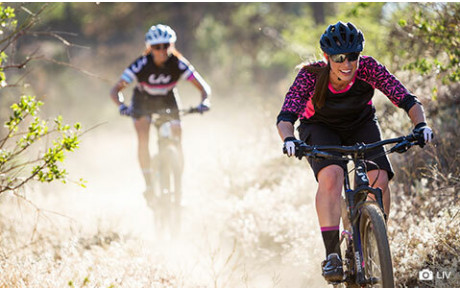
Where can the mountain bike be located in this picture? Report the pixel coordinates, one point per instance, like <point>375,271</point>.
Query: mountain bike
<point>167,168</point>
<point>366,253</point>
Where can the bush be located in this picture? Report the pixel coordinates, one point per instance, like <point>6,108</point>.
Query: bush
<point>26,128</point>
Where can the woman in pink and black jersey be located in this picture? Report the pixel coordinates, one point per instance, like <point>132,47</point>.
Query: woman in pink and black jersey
<point>156,74</point>
<point>332,99</point>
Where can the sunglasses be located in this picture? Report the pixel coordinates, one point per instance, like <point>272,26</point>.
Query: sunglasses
<point>340,58</point>
<point>161,46</point>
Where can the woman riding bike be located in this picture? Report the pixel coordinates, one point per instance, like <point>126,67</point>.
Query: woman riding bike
<point>333,100</point>
<point>157,72</point>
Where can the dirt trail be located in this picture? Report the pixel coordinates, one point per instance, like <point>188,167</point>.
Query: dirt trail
<point>233,188</point>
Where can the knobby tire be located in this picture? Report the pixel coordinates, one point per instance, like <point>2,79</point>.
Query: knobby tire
<point>375,246</point>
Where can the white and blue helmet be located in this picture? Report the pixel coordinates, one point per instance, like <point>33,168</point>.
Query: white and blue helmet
<point>160,34</point>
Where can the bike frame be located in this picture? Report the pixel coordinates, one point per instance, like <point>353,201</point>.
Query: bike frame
<point>354,199</point>
<point>162,123</point>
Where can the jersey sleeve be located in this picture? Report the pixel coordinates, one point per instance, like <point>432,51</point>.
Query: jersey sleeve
<point>380,78</point>
<point>131,73</point>
<point>296,98</point>
<point>186,70</point>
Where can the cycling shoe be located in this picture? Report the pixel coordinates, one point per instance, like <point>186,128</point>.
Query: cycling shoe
<point>332,268</point>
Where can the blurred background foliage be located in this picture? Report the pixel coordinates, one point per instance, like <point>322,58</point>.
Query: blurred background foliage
<point>255,44</point>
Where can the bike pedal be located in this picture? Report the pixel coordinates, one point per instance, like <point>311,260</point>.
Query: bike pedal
<point>372,281</point>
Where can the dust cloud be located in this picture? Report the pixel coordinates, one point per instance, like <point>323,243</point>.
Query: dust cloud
<point>248,220</point>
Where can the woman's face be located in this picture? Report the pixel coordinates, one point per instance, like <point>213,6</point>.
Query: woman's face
<point>344,71</point>
<point>161,52</point>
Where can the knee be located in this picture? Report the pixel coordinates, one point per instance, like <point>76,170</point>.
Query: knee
<point>330,180</point>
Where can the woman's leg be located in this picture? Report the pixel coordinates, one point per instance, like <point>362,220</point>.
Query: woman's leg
<point>382,183</point>
<point>330,181</point>
<point>142,125</point>
<point>176,129</point>
<point>328,207</point>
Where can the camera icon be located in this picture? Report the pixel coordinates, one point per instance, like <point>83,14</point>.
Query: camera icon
<point>425,275</point>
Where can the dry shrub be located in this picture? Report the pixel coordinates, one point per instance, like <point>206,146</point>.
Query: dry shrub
<point>275,225</point>
<point>423,229</point>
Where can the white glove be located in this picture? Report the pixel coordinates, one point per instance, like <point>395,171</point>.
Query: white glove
<point>289,145</point>
<point>427,134</point>
<point>424,131</point>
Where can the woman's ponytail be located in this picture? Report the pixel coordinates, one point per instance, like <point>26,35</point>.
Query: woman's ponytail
<point>322,81</point>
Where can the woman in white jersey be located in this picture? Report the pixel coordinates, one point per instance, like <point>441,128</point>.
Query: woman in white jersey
<point>156,73</point>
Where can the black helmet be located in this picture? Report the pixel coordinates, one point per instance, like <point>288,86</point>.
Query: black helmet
<point>341,38</point>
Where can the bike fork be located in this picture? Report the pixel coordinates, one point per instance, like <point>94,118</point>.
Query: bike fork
<point>356,239</point>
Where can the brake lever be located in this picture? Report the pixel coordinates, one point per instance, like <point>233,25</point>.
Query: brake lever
<point>401,147</point>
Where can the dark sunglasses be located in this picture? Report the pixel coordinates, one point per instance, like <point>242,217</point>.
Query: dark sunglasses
<point>340,58</point>
<point>161,46</point>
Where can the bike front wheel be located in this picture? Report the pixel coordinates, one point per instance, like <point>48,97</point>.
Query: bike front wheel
<point>171,187</point>
<point>378,264</point>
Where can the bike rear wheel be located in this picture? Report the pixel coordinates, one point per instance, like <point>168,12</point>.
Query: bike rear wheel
<point>375,246</point>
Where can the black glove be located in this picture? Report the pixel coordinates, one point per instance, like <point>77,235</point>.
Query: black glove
<point>124,110</point>
<point>423,133</point>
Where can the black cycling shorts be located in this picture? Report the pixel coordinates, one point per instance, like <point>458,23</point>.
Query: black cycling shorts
<point>369,132</point>
<point>144,104</point>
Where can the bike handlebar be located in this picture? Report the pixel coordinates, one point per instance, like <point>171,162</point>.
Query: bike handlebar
<point>403,143</point>
<point>168,112</point>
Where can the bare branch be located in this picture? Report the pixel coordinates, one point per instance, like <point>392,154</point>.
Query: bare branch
<point>55,34</point>
<point>75,68</point>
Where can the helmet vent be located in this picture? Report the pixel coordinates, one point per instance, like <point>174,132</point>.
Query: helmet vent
<point>336,40</point>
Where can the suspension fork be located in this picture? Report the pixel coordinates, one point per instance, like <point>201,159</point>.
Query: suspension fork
<point>355,234</point>
<point>354,199</point>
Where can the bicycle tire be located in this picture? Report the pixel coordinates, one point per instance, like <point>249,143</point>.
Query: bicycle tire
<point>375,246</point>
<point>157,207</point>
<point>171,185</point>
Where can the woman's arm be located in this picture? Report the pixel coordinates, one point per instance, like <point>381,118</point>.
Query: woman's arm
<point>285,129</point>
<point>115,92</point>
<point>417,114</point>
<point>201,84</point>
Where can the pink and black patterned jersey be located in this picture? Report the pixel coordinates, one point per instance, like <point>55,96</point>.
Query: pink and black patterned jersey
<point>155,80</point>
<point>350,107</point>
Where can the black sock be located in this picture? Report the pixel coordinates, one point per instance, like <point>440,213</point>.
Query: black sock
<point>331,240</point>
